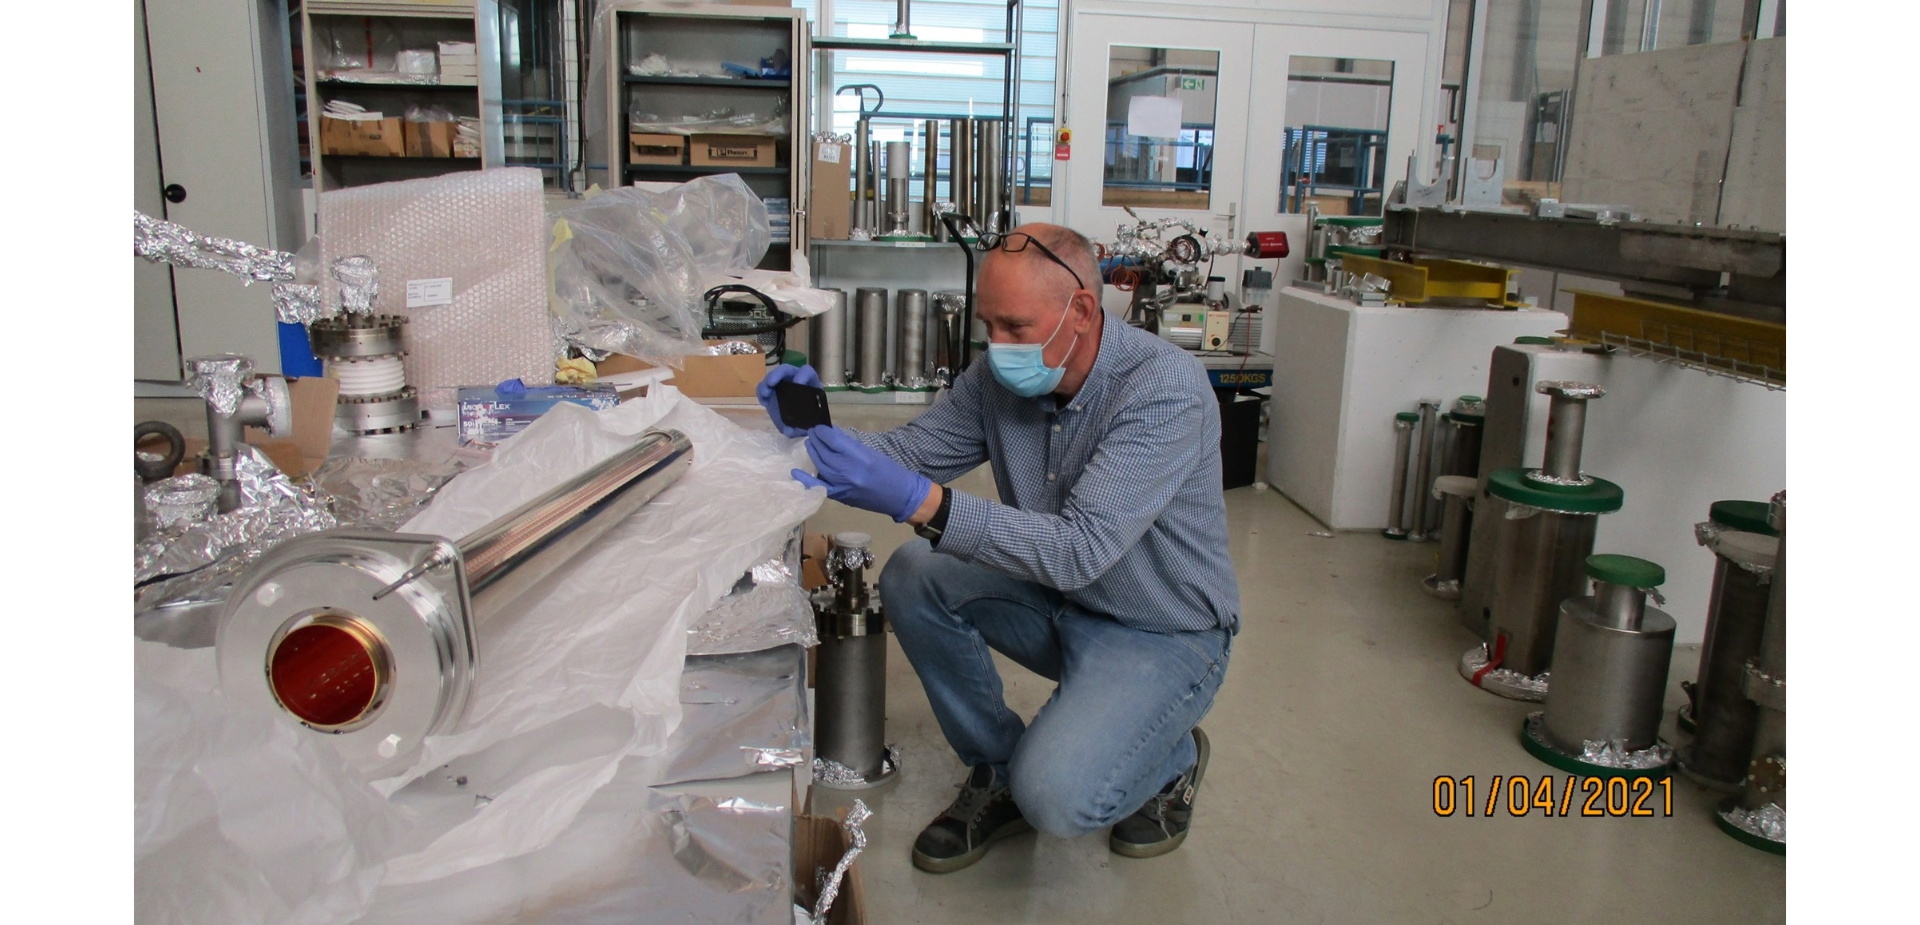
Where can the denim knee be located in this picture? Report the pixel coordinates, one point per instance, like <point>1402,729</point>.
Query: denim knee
<point>1059,797</point>
<point>908,581</point>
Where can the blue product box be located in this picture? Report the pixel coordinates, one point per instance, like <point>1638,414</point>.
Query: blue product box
<point>488,417</point>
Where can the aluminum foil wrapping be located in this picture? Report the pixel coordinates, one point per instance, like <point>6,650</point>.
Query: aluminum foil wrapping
<point>835,774</point>
<point>296,303</point>
<point>729,348</point>
<point>1768,822</point>
<point>359,283</point>
<point>1709,534</point>
<point>1569,388</point>
<point>740,715</point>
<point>272,509</point>
<point>724,844</point>
<point>381,493</point>
<point>159,241</point>
<point>182,499</point>
<point>220,379</point>
<point>1615,754</point>
<point>766,608</point>
<point>1505,678</point>
<point>857,816</point>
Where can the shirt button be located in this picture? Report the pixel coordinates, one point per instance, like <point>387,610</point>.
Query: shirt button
<point>1056,428</point>
<point>1049,476</point>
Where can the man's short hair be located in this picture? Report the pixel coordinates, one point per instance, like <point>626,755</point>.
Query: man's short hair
<point>1070,246</point>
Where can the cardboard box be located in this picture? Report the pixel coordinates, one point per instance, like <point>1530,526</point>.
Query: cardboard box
<point>731,376</point>
<point>717,150</point>
<point>488,417</point>
<point>376,137</point>
<point>832,214</point>
<point>429,139</point>
<point>644,148</point>
<point>819,843</point>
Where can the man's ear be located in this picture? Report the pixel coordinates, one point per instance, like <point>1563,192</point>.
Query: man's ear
<point>1081,300</point>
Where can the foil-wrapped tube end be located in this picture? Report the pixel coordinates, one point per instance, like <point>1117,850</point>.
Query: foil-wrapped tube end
<point>359,283</point>
<point>730,348</point>
<point>182,499</point>
<point>272,508</point>
<point>296,303</point>
<point>1567,388</point>
<point>1615,754</point>
<point>159,241</point>
<point>1768,822</point>
<point>220,379</point>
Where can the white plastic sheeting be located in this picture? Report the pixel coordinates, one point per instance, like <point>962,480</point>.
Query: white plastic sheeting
<point>573,680</point>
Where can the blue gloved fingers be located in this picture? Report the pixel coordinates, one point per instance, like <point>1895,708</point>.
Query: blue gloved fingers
<point>768,401</point>
<point>808,376</point>
<point>807,480</point>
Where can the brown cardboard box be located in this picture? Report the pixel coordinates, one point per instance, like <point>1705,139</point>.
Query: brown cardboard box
<point>643,148</point>
<point>716,150</point>
<point>299,454</point>
<point>832,214</point>
<point>818,844</point>
<point>731,376</point>
<point>429,139</point>
<point>380,138</point>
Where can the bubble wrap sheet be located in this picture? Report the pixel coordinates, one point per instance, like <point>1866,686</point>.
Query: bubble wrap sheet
<point>486,231</point>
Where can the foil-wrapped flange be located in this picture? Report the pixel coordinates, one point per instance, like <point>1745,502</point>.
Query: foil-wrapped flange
<point>348,337</point>
<point>1764,828</point>
<point>1447,590</point>
<point>1752,552</point>
<point>378,414</point>
<point>1502,681</point>
<point>1596,758</point>
<point>220,379</point>
<point>1567,388</point>
<point>1546,478</point>
<point>182,499</point>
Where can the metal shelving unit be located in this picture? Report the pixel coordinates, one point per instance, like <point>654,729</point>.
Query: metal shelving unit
<point>326,24</point>
<point>702,38</point>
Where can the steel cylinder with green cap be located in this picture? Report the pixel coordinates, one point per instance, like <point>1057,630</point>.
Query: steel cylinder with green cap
<point>1610,660</point>
<point>1403,423</point>
<point>1546,536</point>
<point>1719,715</point>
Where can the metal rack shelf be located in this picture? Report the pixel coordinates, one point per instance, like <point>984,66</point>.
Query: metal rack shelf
<point>841,43</point>
<point>691,170</point>
<point>755,83</point>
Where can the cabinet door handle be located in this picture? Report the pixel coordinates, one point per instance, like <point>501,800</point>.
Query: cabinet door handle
<point>175,193</point>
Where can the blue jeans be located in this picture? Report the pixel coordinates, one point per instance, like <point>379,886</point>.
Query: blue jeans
<point>1115,730</point>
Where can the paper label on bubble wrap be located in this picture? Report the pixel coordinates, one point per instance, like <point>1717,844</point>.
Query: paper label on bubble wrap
<point>829,153</point>
<point>422,293</point>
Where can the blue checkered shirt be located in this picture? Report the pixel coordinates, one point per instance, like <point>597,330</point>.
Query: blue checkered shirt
<point>1113,498</point>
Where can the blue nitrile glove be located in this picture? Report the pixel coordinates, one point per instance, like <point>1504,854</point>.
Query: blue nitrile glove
<point>783,373</point>
<point>856,474</point>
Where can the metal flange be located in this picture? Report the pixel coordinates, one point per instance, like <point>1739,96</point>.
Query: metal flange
<point>378,414</point>
<point>346,337</point>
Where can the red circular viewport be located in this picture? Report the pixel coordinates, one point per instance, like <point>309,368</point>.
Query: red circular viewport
<point>325,673</point>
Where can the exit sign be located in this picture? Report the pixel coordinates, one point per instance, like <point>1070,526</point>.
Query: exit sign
<point>1193,83</point>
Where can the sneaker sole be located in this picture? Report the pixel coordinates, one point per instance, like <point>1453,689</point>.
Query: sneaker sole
<point>934,865</point>
<point>1128,849</point>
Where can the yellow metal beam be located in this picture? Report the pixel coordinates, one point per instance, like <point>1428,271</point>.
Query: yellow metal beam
<point>1426,279</point>
<point>1731,341</point>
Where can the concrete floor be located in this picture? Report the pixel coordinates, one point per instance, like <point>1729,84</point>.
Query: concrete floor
<point>1341,706</point>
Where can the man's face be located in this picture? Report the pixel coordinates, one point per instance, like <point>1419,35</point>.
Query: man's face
<point>1020,302</point>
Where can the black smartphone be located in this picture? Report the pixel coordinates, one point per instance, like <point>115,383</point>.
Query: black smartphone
<point>802,406</point>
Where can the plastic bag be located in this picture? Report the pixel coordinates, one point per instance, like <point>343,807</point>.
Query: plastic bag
<point>630,265</point>
<point>435,113</point>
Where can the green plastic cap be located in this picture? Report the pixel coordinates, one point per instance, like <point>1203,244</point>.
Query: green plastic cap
<point>1407,416</point>
<point>1750,516</point>
<point>1469,409</point>
<point>1599,497</point>
<point>1630,571</point>
<point>1535,340</point>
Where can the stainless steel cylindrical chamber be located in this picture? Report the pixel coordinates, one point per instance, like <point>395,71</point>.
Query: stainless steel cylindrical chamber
<point>962,180</point>
<point>950,313</point>
<point>899,188</point>
<point>912,373</point>
<point>1423,507</point>
<point>992,172</point>
<point>1403,424</point>
<point>827,343</point>
<point>862,168</point>
<point>1541,563</point>
<point>1464,425</point>
<point>930,182</point>
<point>1456,524</point>
<point>1609,682</point>
<point>870,361</point>
<point>850,680</point>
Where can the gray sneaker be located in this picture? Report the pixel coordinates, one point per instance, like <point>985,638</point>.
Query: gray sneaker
<point>1160,825</point>
<point>984,813</point>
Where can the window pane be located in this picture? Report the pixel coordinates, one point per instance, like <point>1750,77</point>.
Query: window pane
<point>1159,132</point>
<point>1336,136</point>
<point>1526,84</point>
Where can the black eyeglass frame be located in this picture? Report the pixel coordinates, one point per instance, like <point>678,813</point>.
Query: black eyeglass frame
<point>999,240</point>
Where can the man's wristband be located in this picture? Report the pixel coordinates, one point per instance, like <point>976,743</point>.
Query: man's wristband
<point>933,528</point>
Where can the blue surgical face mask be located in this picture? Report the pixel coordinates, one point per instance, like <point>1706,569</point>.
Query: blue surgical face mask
<point>1023,368</point>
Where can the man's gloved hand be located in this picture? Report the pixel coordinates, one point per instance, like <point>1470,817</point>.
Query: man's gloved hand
<point>784,373</point>
<point>858,475</point>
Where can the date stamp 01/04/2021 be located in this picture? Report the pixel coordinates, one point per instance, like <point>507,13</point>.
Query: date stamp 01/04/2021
<point>1553,795</point>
